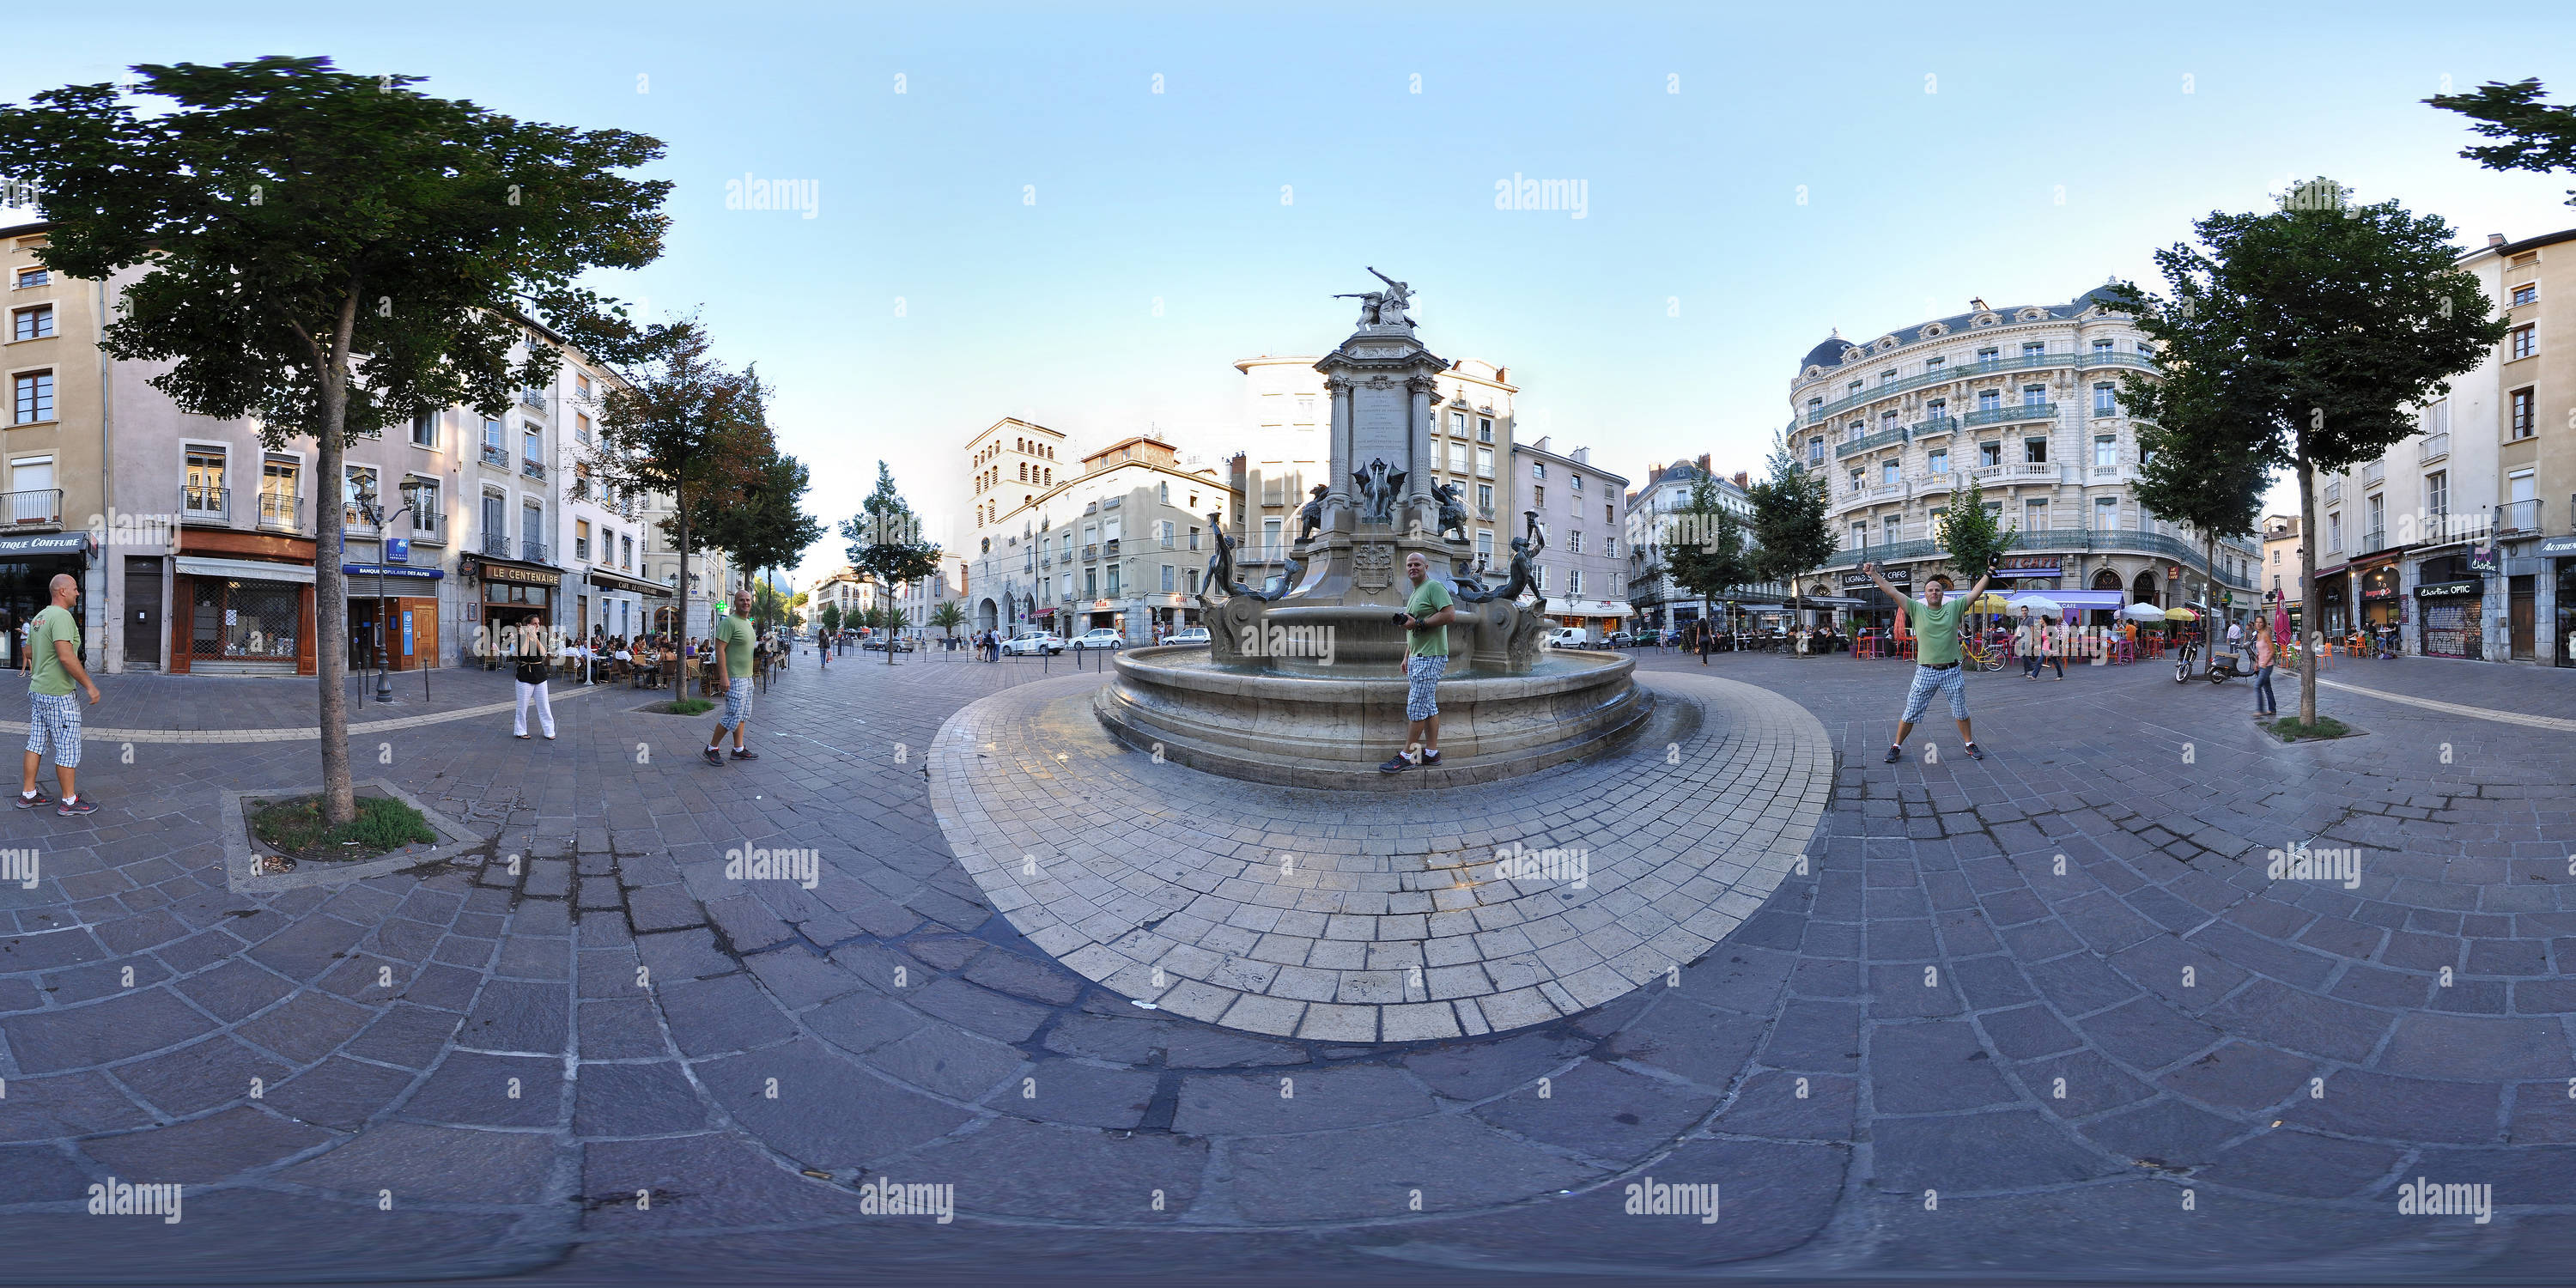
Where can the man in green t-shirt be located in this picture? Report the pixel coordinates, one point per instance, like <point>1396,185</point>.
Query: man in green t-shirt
<point>53,717</point>
<point>733,638</point>
<point>1428,611</point>
<point>1934,620</point>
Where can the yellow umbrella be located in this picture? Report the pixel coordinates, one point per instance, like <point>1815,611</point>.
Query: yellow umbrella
<point>1989,602</point>
<point>2181,615</point>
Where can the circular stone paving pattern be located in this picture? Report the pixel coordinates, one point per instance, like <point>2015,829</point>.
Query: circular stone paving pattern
<point>1380,917</point>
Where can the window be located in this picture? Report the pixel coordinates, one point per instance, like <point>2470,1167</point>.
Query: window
<point>1990,354</point>
<point>2034,395</point>
<point>2437,494</point>
<point>1932,365</point>
<point>32,324</point>
<point>2520,417</point>
<point>1892,529</point>
<point>1484,429</point>
<point>532,523</point>
<point>1113,581</point>
<point>1458,424</point>
<point>1574,541</point>
<point>2034,451</point>
<point>1538,469</point>
<point>2106,451</point>
<point>2106,513</point>
<point>1860,534</point>
<point>2378,521</point>
<point>31,480</point>
<point>2527,293</point>
<point>1939,527</point>
<point>1936,410</point>
<point>1574,581</point>
<point>1270,532</point>
<point>1887,475</point>
<point>529,449</point>
<point>1938,460</point>
<point>2334,533</point>
<point>1887,420</point>
<point>424,430</point>
<point>491,436</point>
<point>1856,480</point>
<point>581,539</point>
<point>1484,546</point>
<point>1485,498</point>
<point>2035,515</point>
<point>1458,457</point>
<point>2101,348</point>
<point>1538,495</point>
<point>1990,453</point>
<point>1816,450</point>
<point>33,277</point>
<point>2102,401</point>
<point>422,496</point>
<point>2521,342</point>
<point>581,387</point>
<point>1484,462</point>
<point>31,397</point>
<point>2034,349</point>
<point>205,485</point>
<point>1574,481</point>
<point>1168,569</point>
<point>1990,400</point>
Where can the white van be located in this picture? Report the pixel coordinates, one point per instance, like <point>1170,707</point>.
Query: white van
<point>1567,637</point>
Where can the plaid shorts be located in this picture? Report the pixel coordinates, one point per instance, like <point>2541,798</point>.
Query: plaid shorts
<point>1948,680</point>
<point>1422,686</point>
<point>737,704</point>
<point>55,717</point>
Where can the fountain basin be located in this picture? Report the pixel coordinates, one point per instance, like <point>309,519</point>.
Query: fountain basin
<point>1307,730</point>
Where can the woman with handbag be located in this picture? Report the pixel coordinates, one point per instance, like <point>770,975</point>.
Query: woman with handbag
<point>532,672</point>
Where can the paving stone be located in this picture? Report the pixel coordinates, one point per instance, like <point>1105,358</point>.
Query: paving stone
<point>419,1162</point>
<point>635,1100</point>
<point>1315,1100</point>
<point>1601,1111</point>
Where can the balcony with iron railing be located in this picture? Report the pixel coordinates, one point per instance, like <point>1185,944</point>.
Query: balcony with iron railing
<point>1934,426</point>
<point>2071,539</point>
<point>1090,551</point>
<point>2433,448</point>
<point>429,527</point>
<point>532,550</point>
<point>1888,437</point>
<point>531,469</point>
<point>32,509</point>
<point>533,398</point>
<point>2011,413</point>
<point>495,457</point>
<point>2334,492</point>
<point>1109,548</point>
<point>497,545</point>
<point>1972,370</point>
<point>2374,539</point>
<point>281,511</point>
<point>2517,518</point>
<point>205,505</point>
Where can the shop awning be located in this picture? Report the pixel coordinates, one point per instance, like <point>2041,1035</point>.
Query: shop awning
<point>47,543</point>
<point>606,580</point>
<point>245,569</point>
<point>393,570</point>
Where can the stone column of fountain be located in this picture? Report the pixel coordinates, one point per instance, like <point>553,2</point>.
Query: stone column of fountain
<point>1307,687</point>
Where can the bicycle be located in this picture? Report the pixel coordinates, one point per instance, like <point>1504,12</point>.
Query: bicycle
<point>1981,655</point>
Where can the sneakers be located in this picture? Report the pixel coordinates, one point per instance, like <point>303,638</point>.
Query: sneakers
<point>1976,751</point>
<point>745,753</point>
<point>31,802</point>
<point>1431,757</point>
<point>714,757</point>
<point>75,806</point>
<point>1398,765</point>
<point>1895,754</point>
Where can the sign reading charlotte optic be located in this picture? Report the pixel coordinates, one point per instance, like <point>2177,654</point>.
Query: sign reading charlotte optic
<point>2468,589</point>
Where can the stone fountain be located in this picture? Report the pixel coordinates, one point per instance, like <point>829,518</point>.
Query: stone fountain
<point>1305,687</point>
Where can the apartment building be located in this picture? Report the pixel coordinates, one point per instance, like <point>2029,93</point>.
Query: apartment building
<point>2024,401</point>
<point>1659,602</point>
<point>54,487</point>
<point>713,579</point>
<point>1582,572</point>
<point>1122,542</point>
<point>601,532</point>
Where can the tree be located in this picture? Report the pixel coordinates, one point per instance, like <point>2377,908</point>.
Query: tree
<point>2538,136</point>
<point>2198,463</point>
<point>1790,534</point>
<point>2323,323</point>
<point>751,506</point>
<point>675,422</point>
<point>948,617</point>
<point>331,253</point>
<point>831,617</point>
<point>885,542</point>
<point>1704,550</point>
<point>1971,535</point>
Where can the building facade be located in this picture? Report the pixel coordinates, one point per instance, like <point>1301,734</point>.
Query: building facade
<point>713,580</point>
<point>1582,572</point>
<point>55,492</point>
<point>1121,543</point>
<point>2022,402</point>
<point>1660,603</point>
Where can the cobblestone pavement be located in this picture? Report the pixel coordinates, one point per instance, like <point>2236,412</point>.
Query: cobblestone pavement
<point>1938,1051</point>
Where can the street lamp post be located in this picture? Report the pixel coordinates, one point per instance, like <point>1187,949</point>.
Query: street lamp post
<point>371,506</point>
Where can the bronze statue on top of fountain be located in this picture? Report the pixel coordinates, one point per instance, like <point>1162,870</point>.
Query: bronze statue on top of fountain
<point>1220,569</point>
<point>1453,510</point>
<point>1524,575</point>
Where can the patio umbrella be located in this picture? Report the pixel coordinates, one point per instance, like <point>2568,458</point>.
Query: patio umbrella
<point>2181,615</point>
<point>2040,604</point>
<point>2143,613</point>
<point>1989,602</point>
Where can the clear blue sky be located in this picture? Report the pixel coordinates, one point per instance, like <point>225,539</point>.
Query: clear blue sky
<point>2061,144</point>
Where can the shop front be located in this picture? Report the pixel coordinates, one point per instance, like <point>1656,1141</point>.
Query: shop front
<point>28,566</point>
<point>515,595</point>
<point>2381,603</point>
<point>405,597</point>
<point>1876,610</point>
<point>2449,613</point>
<point>2026,575</point>
<point>2334,602</point>
<point>2558,555</point>
<point>623,605</point>
<point>242,604</point>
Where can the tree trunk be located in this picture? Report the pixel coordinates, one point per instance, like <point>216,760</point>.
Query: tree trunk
<point>680,499</point>
<point>330,584</point>
<point>2308,620</point>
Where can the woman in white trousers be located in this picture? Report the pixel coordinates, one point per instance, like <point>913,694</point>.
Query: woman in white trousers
<point>532,680</point>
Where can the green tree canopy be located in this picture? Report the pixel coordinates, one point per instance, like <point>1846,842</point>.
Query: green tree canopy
<point>885,542</point>
<point>1791,536</point>
<point>1703,546</point>
<point>330,253</point>
<point>2536,136</point>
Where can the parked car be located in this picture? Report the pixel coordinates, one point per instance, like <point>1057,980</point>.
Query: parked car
<point>1100,637</point>
<point>881,642</point>
<point>1568,637</point>
<point>1033,642</point>
<point>1187,635</point>
<point>1620,639</point>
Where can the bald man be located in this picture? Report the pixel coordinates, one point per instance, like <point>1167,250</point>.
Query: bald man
<point>53,650</point>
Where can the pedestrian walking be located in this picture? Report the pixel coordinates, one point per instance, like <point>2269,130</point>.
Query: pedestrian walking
<point>531,673</point>
<point>2028,640</point>
<point>2235,634</point>
<point>1934,621</point>
<point>732,644</point>
<point>2265,656</point>
<point>53,717</point>
<point>2052,647</point>
<point>1428,610</point>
